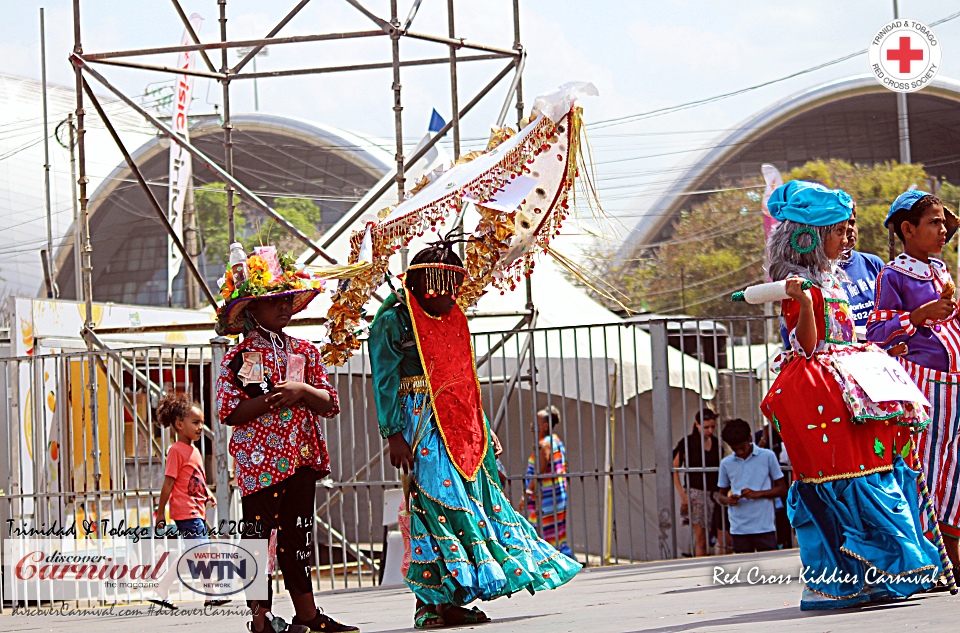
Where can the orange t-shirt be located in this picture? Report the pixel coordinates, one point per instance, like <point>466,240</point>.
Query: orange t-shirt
<point>189,495</point>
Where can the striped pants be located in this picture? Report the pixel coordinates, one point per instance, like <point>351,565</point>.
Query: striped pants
<point>939,444</point>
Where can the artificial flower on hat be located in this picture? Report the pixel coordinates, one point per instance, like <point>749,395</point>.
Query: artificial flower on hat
<point>269,274</point>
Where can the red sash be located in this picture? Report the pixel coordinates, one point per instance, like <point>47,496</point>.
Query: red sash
<point>446,353</point>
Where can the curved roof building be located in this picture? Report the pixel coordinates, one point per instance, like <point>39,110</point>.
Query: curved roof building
<point>853,119</point>
<point>23,225</point>
<point>274,156</point>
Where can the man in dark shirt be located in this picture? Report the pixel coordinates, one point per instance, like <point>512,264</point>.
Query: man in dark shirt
<point>696,499</point>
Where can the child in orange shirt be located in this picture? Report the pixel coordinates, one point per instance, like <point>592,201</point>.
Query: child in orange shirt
<point>185,482</point>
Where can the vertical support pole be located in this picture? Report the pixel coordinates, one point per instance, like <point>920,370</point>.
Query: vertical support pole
<point>221,433</point>
<point>455,110</point>
<point>77,233</point>
<point>517,46</point>
<point>227,125</point>
<point>398,113</point>
<point>454,92</point>
<point>49,259</point>
<point>903,120</point>
<point>87,253</point>
<point>663,440</point>
<point>397,104</point>
<point>190,244</point>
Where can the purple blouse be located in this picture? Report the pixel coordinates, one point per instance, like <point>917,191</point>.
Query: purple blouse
<point>904,285</point>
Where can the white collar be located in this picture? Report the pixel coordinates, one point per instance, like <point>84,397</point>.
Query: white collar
<point>912,267</point>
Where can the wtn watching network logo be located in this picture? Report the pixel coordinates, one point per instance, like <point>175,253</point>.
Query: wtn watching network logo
<point>225,568</point>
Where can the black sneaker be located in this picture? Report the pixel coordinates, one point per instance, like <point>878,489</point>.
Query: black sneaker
<point>278,625</point>
<point>323,623</point>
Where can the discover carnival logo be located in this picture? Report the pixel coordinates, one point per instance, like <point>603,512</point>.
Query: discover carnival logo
<point>71,569</point>
<point>905,55</point>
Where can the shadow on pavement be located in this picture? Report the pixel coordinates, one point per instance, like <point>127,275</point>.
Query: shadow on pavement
<point>775,615</point>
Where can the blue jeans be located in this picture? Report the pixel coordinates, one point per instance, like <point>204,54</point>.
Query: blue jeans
<point>192,529</point>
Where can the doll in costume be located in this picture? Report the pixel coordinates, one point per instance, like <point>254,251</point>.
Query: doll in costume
<point>466,541</point>
<point>854,501</point>
<point>273,390</point>
<point>916,312</point>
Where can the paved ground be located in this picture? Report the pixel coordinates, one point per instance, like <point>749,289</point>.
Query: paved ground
<point>667,597</point>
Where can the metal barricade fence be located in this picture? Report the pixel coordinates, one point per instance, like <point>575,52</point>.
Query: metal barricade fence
<point>625,392</point>
<point>742,350</point>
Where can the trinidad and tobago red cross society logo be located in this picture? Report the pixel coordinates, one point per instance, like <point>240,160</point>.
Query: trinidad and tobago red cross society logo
<point>905,55</point>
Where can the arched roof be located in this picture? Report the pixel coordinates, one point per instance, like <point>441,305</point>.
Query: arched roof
<point>274,156</point>
<point>854,119</point>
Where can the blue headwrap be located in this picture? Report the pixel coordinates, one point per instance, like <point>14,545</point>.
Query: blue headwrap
<point>810,203</point>
<point>904,201</point>
<point>907,199</point>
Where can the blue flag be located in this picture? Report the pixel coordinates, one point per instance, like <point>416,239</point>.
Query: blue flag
<point>436,122</point>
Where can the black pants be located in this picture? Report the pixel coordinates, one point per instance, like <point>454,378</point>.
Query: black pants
<point>288,507</point>
<point>763,542</point>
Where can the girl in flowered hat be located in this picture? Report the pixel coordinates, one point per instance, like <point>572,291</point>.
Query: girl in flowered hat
<point>916,311</point>
<point>854,501</point>
<point>273,390</point>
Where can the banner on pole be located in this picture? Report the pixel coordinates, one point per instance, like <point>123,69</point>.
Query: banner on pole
<point>181,165</point>
<point>773,179</point>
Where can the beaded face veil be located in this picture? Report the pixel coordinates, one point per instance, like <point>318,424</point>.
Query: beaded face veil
<point>441,279</point>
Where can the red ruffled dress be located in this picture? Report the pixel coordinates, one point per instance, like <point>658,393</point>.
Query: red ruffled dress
<point>853,502</point>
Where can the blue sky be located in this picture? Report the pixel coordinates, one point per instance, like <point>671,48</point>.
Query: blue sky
<point>642,55</point>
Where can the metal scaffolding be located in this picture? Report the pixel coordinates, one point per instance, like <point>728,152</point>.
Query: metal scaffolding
<point>459,50</point>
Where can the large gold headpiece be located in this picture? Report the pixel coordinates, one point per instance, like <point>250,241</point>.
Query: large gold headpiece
<point>521,185</point>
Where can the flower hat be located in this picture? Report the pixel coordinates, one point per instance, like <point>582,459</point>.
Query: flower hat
<point>269,275</point>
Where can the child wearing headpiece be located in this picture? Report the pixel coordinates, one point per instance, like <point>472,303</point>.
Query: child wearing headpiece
<point>916,311</point>
<point>273,390</point>
<point>466,541</point>
<point>854,501</point>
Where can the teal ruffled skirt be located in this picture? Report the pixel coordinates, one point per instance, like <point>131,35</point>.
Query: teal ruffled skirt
<point>861,540</point>
<point>466,541</point>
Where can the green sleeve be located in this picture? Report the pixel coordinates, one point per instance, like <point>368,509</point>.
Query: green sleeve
<point>386,355</point>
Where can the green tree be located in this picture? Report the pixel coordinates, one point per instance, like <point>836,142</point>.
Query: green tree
<point>252,228</point>
<point>717,246</point>
<point>300,212</point>
<point>210,202</point>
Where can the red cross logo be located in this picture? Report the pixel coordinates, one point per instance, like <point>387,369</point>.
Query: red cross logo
<point>905,55</point>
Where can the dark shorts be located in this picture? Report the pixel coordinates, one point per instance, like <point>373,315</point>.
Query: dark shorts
<point>288,507</point>
<point>192,529</point>
<point>763,542</point>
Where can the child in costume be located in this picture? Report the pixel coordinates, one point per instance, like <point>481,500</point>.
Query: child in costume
<point>467,541</point>
<point>273,389</point>
<point>915,307</point>
<point>551,493</point>
<point>854,501</point>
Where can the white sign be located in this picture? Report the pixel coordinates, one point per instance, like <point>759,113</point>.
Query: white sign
<point>181,166</point>
<point>882,377</point>
<point>904,55</point>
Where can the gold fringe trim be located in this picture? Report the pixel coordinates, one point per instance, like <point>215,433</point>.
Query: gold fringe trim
<point>413,384</point>
<point>438,502</point>
<point>832,597</point>
<point>883,571</point>
<point>853,475</point>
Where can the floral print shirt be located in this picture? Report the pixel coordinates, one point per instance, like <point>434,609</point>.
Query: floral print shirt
<point>271,448</point>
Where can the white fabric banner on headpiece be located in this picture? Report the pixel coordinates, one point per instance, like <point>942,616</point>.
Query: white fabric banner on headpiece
<point>181,167</point>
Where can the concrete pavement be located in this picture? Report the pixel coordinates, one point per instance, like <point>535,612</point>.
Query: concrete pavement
<point>662,597</point>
